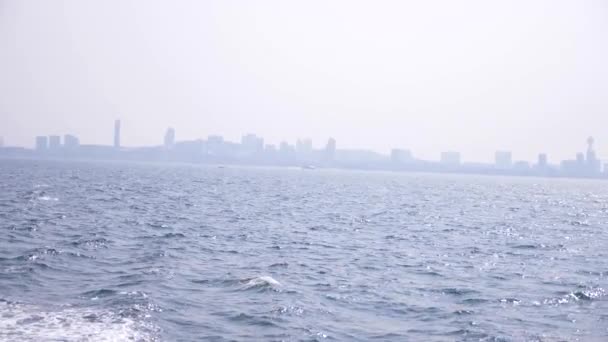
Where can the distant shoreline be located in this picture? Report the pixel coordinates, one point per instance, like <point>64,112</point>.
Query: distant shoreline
<point>412,169</point>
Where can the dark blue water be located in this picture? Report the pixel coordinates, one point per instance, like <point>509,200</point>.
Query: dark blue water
<point>105,251</point>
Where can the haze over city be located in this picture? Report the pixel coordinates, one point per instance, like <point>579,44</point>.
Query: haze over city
<point>472,76</point>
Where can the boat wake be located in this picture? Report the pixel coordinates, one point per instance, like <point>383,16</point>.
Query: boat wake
<point>22,322</point>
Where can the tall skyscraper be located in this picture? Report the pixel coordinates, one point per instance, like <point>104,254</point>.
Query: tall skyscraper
<point>169,138</point>
<point>42,143</point>
<point>590,150</point>
<point>54,142</point>
<point>330,149</point>
<point>117,134</point>
<point>593,164</point>
<point>542,160</point>
<point>252,144</point>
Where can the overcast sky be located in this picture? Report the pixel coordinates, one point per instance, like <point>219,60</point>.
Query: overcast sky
<point>472,76</point>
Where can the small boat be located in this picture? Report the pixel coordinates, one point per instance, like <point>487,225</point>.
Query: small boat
<point>308,167</point>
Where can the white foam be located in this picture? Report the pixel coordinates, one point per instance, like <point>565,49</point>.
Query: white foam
<point>29,323</point>
<point>262,281</point>
<point>47,198</point>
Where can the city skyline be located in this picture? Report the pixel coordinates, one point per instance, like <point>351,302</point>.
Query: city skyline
<point>253,149</point>
<point>431,153</point>
<point>116,139</point>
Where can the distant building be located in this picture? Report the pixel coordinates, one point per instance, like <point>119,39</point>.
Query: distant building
<point>169,138</point>
<point>215,145</point>
<point>1,142</point>
<point>359,158</point>
<point>586,165</point>
<point>576,167</point>
<point>590,150</point>
<point>450,158</point>
<point>190,151</point>
<point>542,161</point>
<point>117,134</point>
<point>70,141</point>
<point>593,164</point>
<point>271,154</point>
<point>215,139</point>
<point>304,146</point>
<point>400,156</point>
<point>42,143</point>
<point>521,166</point>
<point>330,150</point>
<point>54,142</point>
<point>286,151</point>
<point>97,151</point>
<point>503,160</point>
<point>284,147</point>
<point>252,144</point>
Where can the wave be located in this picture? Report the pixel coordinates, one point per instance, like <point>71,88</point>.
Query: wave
<point>93,243</point>
<point>263,282</point>
<point>37,253</point>
<point>454,291</point>
<point>95,294</point>
<point>165,236</point>
<point>260,321</point>
<point>588,294</point>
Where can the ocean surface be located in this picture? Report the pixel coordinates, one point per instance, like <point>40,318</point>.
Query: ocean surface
<point>93,251</point>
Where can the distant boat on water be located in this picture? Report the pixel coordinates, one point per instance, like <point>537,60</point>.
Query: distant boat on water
<point>308,167</point>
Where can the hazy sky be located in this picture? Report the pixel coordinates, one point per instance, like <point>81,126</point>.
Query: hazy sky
<point>472,76</point>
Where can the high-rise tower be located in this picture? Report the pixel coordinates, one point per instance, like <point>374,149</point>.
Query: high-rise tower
<point>117,134</point>
<point>593,164</point>
<point>330,150</point>
<point>590,150</point>
<point>169,138</point>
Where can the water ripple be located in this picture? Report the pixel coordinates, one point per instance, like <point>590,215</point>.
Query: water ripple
<point>110,251</point>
